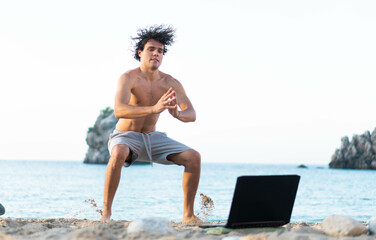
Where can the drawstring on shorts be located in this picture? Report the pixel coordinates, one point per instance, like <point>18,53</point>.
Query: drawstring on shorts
<point>147,143</point>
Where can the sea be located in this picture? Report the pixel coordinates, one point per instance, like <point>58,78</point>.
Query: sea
<point>58,189</point>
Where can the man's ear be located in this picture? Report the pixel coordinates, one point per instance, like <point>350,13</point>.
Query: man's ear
<point>139,53</point>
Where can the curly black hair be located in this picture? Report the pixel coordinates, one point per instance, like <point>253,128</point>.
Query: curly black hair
<point>161,33</point>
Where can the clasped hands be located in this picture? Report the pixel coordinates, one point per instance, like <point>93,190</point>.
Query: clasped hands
<point>167,101</point>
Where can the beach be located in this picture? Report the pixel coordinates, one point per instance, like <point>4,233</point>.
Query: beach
<point>54,229</point>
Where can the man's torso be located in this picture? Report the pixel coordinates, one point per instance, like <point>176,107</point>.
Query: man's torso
<point>144,93</point>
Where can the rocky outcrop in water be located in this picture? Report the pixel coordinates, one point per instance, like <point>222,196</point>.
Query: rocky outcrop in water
<point>2,209</point>
<point>97,137</point>
<point>359,153</point>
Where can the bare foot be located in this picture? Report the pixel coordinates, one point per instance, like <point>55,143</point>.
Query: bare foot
<point>192,220</point>
<point>105,218</point>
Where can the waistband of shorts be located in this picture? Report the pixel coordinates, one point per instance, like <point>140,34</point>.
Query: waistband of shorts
<point>118,131</point>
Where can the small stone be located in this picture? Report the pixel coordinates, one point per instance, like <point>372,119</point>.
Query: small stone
<point>340,226</point>
<point>150,226</point>
<point>2,209</point>
<point>372,225</point>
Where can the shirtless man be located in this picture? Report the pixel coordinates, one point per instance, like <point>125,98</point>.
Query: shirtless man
<point>142,94</point>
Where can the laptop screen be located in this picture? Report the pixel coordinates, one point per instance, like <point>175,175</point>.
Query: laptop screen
<point>263,199</point>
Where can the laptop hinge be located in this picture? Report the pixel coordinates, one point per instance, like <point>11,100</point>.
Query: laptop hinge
<point>256,224</point>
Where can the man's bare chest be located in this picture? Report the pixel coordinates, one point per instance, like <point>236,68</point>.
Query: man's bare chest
<point>145,95</point>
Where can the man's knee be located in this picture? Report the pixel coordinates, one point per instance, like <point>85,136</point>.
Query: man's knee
<point>119,154</point>
<point>193,159</point>
<point>196,157</point>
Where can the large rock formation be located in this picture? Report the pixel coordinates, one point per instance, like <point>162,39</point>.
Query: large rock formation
<point>97,137</point>
<point>360,153</point>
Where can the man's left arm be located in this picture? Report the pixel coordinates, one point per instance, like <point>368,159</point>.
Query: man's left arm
<point>187,113</point>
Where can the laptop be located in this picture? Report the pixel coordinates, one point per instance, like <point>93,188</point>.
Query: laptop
<point>262,201</point>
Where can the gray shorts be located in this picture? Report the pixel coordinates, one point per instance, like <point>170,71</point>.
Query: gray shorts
<point>146,147</point>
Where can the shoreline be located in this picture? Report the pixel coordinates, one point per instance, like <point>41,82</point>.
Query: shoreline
<point>63,228</point>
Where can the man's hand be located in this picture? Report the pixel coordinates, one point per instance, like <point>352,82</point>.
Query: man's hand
<point>174,111</point>
<point>167,101</point>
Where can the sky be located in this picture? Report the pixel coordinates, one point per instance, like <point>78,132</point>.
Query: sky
<point>271,81</point>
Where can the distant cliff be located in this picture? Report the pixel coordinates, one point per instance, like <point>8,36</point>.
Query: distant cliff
<point>97,137</point>
<point>359,153</point>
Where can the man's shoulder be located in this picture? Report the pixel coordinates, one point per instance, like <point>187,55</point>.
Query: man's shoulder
<point>169,79</point>
<point>130,75</point>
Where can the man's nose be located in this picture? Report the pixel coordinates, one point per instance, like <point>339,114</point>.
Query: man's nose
<point>156,53</point>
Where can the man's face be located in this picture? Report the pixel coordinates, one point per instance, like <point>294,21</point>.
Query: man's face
<point>152,54</point>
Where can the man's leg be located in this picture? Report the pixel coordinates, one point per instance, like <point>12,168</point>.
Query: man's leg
<point>191,160</point>
<point>118,155</point>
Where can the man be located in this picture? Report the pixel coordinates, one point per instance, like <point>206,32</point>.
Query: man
<point>142,94</point>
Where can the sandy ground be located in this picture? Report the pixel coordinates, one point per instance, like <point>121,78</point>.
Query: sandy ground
<point>86,229</point>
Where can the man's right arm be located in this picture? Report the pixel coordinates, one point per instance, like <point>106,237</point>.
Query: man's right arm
<point>122,108</point>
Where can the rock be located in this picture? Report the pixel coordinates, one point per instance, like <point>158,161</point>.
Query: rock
<point>217,231</point>
<point>97,137</point>
<point>2,209</point>
<point>302,166</point>
<point>341,226</point>
<point>150,227</point>
<point>307,230</point>
<point>372,225</point>
<point>359,153</point>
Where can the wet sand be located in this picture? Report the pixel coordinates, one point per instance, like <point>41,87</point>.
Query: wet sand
<point>86,229</point>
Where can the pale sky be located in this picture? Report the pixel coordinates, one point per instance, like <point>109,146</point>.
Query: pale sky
<point>271,81</point>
